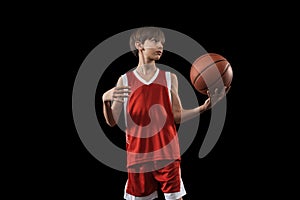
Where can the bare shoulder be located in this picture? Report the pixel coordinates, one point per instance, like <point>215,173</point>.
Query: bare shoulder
<point>120,81</point>
<point>174,82</point>
<point>173,76</point>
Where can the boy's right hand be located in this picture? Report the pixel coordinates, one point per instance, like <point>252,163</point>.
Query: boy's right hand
<point>117,94</point>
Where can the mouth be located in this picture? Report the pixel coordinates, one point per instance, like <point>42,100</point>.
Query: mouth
<point>158,52</point>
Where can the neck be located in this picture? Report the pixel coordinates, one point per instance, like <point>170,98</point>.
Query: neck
<point>146,68</point>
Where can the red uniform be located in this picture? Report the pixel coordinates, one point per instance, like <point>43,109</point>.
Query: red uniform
<point>151,135</point>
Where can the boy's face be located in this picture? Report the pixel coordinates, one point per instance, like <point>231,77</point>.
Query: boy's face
<point>153,48</point>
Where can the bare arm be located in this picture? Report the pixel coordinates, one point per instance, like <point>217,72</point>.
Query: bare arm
<point>180,114</point>
<point>113,101</point>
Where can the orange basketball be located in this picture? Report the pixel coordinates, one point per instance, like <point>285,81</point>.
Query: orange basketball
<point>211,71</point>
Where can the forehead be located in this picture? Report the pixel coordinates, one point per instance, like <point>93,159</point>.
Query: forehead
<point>151,33</point>
<point>153,40</point>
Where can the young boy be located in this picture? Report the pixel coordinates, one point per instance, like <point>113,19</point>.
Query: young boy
<point>152,108</point>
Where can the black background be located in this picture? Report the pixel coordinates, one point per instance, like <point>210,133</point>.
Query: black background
<point>234,166</point>
<point>245,162</point>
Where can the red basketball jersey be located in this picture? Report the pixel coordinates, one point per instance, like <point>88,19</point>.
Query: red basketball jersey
<point>151,133</point>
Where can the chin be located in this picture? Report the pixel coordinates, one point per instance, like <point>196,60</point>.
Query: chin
<point>156,57</point>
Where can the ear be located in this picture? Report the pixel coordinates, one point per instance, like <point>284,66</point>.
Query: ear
<point>139,46</point>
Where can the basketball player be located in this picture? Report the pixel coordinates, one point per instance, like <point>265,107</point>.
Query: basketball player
<point>152,108</point>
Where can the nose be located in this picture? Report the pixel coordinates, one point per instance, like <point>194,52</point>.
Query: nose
<point>160,45</point>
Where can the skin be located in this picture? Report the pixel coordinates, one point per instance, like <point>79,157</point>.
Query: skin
<point>150,52</point>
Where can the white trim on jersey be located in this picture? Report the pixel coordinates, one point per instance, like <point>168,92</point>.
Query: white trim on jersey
<point>125,83</point>
<point>143,80</point>
<point>168,79</point>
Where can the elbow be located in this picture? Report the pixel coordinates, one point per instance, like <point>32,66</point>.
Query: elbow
<point>111,123</point>
<point>109,119</point>
<point>177,117</point>
<point>177,121</point>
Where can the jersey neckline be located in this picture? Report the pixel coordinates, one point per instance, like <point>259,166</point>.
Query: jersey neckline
<point>143,80</point>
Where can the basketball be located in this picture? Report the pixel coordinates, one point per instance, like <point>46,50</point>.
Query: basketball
<point>210,71</point>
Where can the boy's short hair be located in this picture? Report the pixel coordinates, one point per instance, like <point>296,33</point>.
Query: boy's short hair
<point>144,33</point>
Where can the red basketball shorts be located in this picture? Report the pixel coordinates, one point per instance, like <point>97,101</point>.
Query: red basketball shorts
<point>146,184</point>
